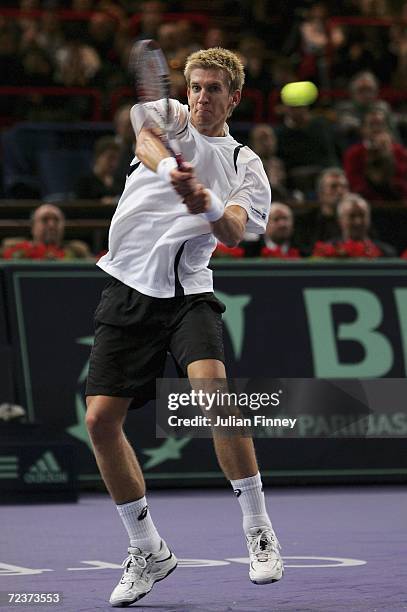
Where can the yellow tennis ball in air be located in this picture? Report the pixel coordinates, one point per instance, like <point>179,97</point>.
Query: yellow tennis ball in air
<point>302,93</point>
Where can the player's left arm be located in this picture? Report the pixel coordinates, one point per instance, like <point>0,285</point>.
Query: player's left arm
<point>231,227</point>
<point>228,224</point>
<point>247,205</point>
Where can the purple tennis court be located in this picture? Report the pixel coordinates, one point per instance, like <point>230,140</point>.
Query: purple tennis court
<point>344,549</point>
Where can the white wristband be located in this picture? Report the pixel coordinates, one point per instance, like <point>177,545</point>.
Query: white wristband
<point>164,168</point>
<point>216,209</point>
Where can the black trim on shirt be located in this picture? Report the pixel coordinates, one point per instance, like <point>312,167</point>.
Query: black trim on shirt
<point>183,129</point>
<point>179,289</point>
<point>132,169</point>
<point>236,155</point>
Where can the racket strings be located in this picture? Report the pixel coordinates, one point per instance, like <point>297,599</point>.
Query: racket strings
<point>151,87</point>
<point>152,80</point>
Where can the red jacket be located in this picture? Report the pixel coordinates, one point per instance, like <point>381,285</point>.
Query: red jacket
<point>355,160</point>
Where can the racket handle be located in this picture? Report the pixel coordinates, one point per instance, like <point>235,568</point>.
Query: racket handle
<point>180,160</point>
<point>176,152</point>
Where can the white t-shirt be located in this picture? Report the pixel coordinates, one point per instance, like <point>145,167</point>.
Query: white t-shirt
<point>155,245</point>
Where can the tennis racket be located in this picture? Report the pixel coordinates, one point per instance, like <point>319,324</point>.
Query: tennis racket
<point>149,69</point>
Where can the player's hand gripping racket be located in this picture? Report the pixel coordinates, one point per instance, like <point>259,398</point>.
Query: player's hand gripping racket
<point>149,69</point>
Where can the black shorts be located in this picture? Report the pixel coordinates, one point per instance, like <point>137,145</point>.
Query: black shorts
<point>134,333</point>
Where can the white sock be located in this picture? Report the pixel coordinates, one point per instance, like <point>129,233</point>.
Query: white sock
<point>249,492</point>
<point>139,525</point>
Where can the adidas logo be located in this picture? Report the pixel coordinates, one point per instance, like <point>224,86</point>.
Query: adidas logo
<point>45,469</point>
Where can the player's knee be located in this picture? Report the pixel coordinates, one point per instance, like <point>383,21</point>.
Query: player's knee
<point>101,430</point>
<point>94,424</point>
<point>101,425</point>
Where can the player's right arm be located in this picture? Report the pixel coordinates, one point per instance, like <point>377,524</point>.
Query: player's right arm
<point>153,153</point>
<point>150,149</point>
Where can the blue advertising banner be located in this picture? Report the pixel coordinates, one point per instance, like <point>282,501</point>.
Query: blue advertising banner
<point>282,320</point>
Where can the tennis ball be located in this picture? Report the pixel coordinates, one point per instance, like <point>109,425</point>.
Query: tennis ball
<point>302,93</point>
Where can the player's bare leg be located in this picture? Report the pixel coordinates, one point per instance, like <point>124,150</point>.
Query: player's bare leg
<point>116,459</point>
<point>123,477</point>
<point>236,457</point>
<point>235,454</point>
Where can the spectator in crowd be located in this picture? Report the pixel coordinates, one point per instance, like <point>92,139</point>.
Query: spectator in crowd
<point>167,38</point>
<point>11,71</point>
<point>253,54</point>
<point>277,240</point>
<point>188,43</point>
<point>306,145</point>
<point>50,36</point>
<point>38,72</point>
<point>124,137</point>
<point>263,141</point>
<point>398,46</point>
<point>351,54</point>
<point>101,33</point>
<point>307,41</point>
<point>152,15</point>
<point>377,167</point>
<point>100,184</point>
<point>354,239</point>
<point>371,8</point>
<point>37,66</point>
<point>171,43</point>
<point>332,185</point>
<point>257,16</point>
<point>29,30</point>
<point>283,72</point>
<point>47,230</point>
<point>321,223</point>
<point>313,46</point>
<point>354,220</point>
<point>48,225</point>
<point>214,37</point>
<point>124,132</point>
<point>364,91</point>
<point>188,35</point>
<point>77,63</point>
<point>107,28</point>
<point>119,75</point>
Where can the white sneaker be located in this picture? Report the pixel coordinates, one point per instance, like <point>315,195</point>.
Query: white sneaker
<point>266,564</point>
<point>142,570</point>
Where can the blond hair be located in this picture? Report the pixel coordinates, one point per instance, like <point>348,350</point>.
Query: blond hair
<point>215,59</point>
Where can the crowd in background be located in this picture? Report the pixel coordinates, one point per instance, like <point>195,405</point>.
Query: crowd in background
<point>356,139</point>
<point>278,42</point>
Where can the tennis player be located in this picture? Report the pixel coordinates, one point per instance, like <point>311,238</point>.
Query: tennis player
<point>160,299</point>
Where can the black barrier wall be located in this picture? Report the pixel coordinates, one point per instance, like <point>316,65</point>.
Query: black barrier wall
<point>303,319</point>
